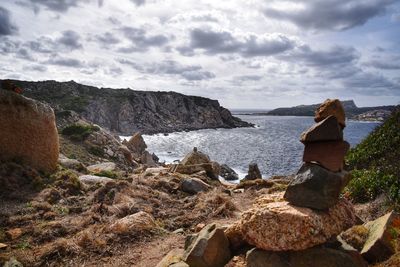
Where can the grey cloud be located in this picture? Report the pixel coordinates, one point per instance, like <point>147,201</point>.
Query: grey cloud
<point>222,42</point>
<point>8,46</point>
<point>65,61</point>
<point>38,68</point>
<point>171,67</point>
<point>372,84</point>
<point>248,77</point>
<point>335,15</point>
<point>139,2</point>
<point>55,5</point>
<point>114,71</point>
<point>107,39</point>
<point>384,64</point>
<point>141,41</point>
<point>6,25</point>
<point>70,39</point>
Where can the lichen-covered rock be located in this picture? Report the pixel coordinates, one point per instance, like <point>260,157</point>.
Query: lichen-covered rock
<point>274,224</point>
<point>209,248</point>
<point>315,187</point>
<point>174,256</point>
<point>102,167</point>
<point>325,130</point>
<point>28,132</point>
<point>331,107</point>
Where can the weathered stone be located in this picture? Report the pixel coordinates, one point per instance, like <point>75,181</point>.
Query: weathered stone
<point>331,107</point>
<point>147,159</point>
<point>2,245</point>
<point>326,130</point>
<point>72,164</point>
<point>318,257</point>
<point>329,154</point>
<point>174,256</point>
<point>228,173</point>
<point>195,157</point>
<point>14,233</point>
<point>209,249</point>
<point>193,185</point>
<point>315,187</point>
<point>253,173</point>
<point>274,224</point>
<point>379,243</point>
<point>136,145</point>
<point>138,222</point>
<point>105,166</point>
<point>235,237</point>
<point>93,179</point>
<point>210,168</point>
<point>28,132</point>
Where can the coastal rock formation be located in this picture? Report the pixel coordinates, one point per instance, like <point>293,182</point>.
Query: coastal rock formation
<point>126,111</point>
<point>193,185</point>
<point>315,187</point>
<point>326,130</point>
<point>253,172</point>
<point>273,224</point>
<point>228,173</point>
<point>28,132</point>
<point>136,145</point>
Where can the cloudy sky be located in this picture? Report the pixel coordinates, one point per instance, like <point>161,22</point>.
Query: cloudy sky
<point>246,54</point>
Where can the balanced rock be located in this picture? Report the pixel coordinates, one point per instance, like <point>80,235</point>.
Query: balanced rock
<point>315,187</point>
<point>325,130</point>
<point>228,173</point>
<point>195,157</point>
<point>331,107</point>
<point>253,173</point>
<point>209,248</point>
<point>136,144</point>
<point>28,131</point>
<point>274,224</point>
<point>313,257</point>
<point>329,154</point>
<point>193,185</point>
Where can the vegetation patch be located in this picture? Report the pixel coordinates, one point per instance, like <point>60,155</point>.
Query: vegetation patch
<point>375,163</point>
<point>109,174</point>
<point>79,132</point>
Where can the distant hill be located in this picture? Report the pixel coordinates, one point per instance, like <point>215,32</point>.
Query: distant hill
<point>126,111</point>
<point>308,110</point>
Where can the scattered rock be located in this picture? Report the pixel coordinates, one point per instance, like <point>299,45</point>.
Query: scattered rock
<point>174,256</point>
<point>2,245</point>
<point>355,236</point>
<point>147,159</point>
<point>331,107</point>
<point>326,130</point>
<point>136,144</point>
<point>93,179</point>
<point>72,164</point>
<point>28,132</point>
<point>329,154</point>
<point>193,185</point>
<point>210,248</point>
<point>210,169</point>
<point>195,157</point>
<point>274,224</point>
<point>253,173</point>
<point>101,167</point>
<point>315,187</point>
<point>140,221</point>
<point>235,237</point>
<point>13,234</point>
<point>227,173</point>
<point>319,257</point>
<point>379,243</point>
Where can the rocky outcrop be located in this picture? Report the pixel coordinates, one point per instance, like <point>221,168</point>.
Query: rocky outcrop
<point>126,111</point>
<point>28,132</point>
<point>138,222</point>
<point>273,224</point>
<point>193,185</point>
<point>253,172</point>
<point>228,173</point>
<point>136,145</point>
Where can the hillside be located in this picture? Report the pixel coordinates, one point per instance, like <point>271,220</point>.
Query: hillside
<point>126,111</point>
<point>308,110</point>
<point>374,163</point>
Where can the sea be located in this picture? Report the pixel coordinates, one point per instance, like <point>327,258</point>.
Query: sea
<point>273,144</point>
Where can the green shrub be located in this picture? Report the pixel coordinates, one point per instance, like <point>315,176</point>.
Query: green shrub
<point>79,132</point>
<point>96,150</point>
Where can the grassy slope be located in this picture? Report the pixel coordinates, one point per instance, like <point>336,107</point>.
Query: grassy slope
<point>375,163</point>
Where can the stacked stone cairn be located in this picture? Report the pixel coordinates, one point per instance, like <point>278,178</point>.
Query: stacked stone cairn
<point>320,180</point>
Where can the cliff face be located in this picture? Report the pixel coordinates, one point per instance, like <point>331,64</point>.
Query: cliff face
<point>126,111</point>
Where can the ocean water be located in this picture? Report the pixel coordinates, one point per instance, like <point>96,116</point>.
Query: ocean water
<point>274,144</point>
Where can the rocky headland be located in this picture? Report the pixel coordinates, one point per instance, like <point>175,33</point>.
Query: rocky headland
<point>104,202</point>
<point>125,111</point>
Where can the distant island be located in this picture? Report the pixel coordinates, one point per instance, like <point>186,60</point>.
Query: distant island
<point>353,112</point>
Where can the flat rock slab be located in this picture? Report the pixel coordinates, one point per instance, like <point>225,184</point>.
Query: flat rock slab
<point>93,179</point>
<point>329,154</point>
<point>331,107</point>
<point>314,257</point>
<point>273,224</point>
<point>194,185</point>
<point>106,166</point>
<point>316,187</point>
<point>326,130</point>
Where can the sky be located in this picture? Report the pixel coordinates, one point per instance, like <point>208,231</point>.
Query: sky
<point>250,54</point>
